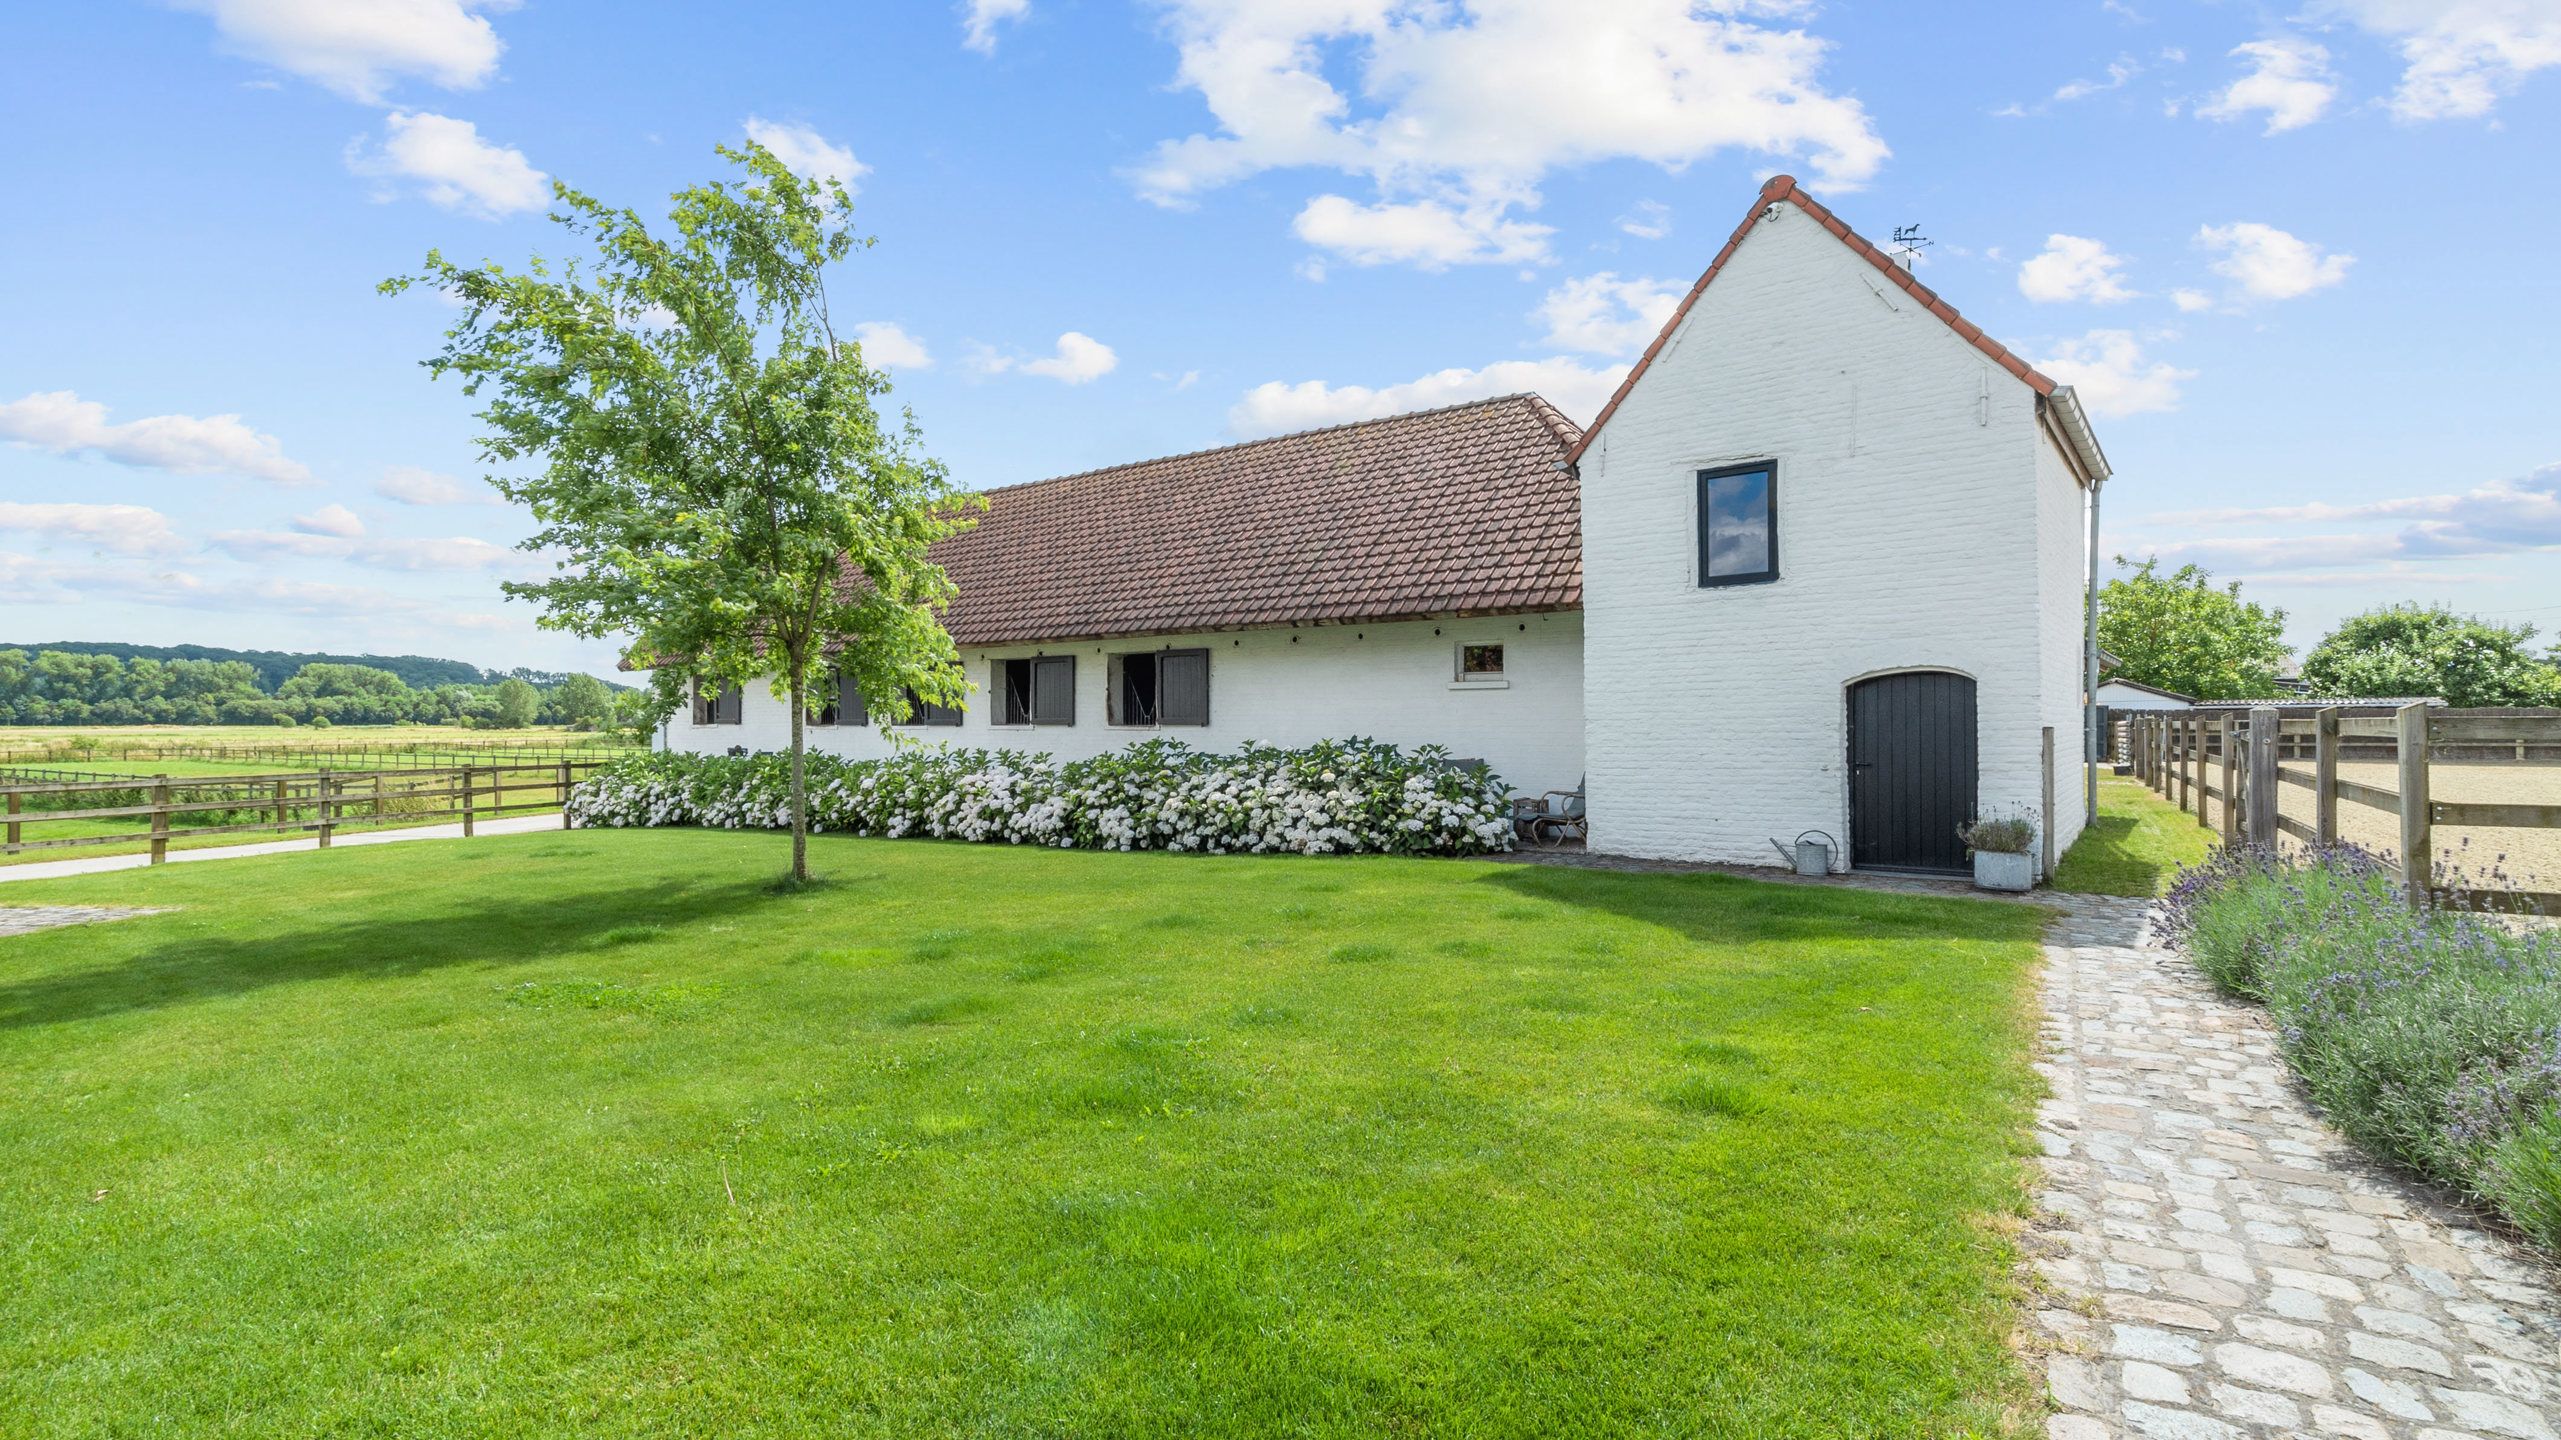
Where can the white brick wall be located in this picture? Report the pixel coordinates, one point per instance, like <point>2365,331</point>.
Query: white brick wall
<point>1914,530</point>
<point>1284,687</point>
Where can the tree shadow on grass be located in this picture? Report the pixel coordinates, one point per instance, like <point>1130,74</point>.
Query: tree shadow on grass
<point>1717,909</point>
<point>465,929</point>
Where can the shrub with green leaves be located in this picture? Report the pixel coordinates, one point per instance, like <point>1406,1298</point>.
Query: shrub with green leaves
<point>2429,1037</point>
<point>1337,797</point>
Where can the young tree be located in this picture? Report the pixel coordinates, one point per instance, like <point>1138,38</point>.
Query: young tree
<point>2183,632</point>
<point>2430,650</point>
<point>713,468</point>
<point>517,702</point>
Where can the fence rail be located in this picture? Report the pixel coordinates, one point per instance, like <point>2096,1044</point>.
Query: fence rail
<point>315,801</point>
<point>2236,758</point>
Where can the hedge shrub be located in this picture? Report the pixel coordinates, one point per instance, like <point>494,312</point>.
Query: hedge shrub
<point>1340,797</point>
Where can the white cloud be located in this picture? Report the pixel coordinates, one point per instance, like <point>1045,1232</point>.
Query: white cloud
<point>449,164</point>
<point>1276,407</point>
<point>2124,68</point>
<point>121,529</point>
<point>61,422</point>
<point>2289,80</point>
<point>2107,370</point>
<point>982,17</point>
<point>1605,315</point>
<point>2518,514</point>
<point>2191,301</point>
<point>806,151</point>
<point>888,346</point>
<point>1079,358</point>
<point>37,580</point>
<point>411,485</point>
<point>1426,232</point>
<point>2460,56</point>
<point>2072,267</point>
<point>2269,264</point>
<point>449,552</point>
<point>1647,220</point>
<point>1471,103</point>
<point>358,47</point>
<point>335,520</point>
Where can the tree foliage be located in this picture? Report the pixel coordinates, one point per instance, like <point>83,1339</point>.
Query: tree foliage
<point>2430,650</point>
<point>2185,633</point>
<point>708,459</point>
<point>92,687</point>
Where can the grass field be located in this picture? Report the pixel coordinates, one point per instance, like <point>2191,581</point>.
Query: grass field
<point>2136,845</point>
<point>148,749</point>
<point>598,1134</point>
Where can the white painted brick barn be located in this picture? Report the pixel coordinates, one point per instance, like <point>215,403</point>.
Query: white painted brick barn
<point>1818,565</point>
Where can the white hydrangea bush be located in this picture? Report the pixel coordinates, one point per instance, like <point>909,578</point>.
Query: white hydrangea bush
<point>1336,798</point>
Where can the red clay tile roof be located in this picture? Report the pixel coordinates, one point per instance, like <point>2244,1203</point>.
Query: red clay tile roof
<point>1461,510</point>
<point>1784,187</point>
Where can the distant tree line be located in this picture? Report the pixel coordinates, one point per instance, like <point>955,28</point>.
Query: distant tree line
<point>61,687</point>
<point>2180,631</point>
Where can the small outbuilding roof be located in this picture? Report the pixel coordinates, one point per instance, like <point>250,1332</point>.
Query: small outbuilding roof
<point>2146,689</point>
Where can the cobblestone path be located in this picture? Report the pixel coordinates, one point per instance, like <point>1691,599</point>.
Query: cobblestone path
<point>2225,1265</point>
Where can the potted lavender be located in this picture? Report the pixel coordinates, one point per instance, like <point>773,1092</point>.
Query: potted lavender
<point>2000,845</point>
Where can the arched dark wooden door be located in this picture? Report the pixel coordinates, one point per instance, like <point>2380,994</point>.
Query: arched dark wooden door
<point>1912,770</point>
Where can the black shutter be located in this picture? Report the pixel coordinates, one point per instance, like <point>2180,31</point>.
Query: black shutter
<point>849,702</point>
<point>1182,687</point>
<point>1054,690</point>
<point>731,707</point>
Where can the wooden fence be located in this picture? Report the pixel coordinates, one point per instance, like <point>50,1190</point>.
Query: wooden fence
<point>320,802</point>
<point>2233,764</point>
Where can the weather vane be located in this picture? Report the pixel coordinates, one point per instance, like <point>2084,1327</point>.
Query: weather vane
<point>1909,243</point>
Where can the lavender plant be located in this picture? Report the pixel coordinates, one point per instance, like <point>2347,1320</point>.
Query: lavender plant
<point>2430,1037</point>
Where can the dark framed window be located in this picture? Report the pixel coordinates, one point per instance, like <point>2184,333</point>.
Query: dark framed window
<point>1159,687</point>
<point>1480,662</point>
<point>1738,524</point>
<point>1037,691</point>
<point>921,711</point>
<point>719,707</point>
<point>839,702</point>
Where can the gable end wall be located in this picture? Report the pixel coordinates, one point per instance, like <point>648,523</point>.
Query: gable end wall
<point>1911,535</point>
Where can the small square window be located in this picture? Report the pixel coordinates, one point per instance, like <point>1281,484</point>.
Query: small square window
<point>1480,662</point>
<point>1738,524</point>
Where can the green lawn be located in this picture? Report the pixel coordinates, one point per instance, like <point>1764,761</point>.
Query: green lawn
<point>596,1134</point>
<point>2136,846</point>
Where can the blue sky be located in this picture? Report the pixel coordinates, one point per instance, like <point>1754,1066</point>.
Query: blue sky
<point>2296,257</point>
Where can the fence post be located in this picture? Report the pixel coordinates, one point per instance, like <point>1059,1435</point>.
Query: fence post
<point>564,794</point>
<point>2230,739</point>
<point>2198,733</point>
<point>2185,759</point>
<point>2183,734</point>
<point>2325,780</point>
<point>13,822</point>
<point>328,807</point>
<point>2266,736</point>
<point>377,797</point>
<point>466,801</point>
<point>2045,821</point>
<point>159,819</point>
<point>2410,724</point>
<point>280,807</point>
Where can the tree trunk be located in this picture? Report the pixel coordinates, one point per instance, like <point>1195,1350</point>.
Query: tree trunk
<point>799,782</point>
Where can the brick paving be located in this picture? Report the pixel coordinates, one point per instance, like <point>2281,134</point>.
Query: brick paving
<point>2218,1263</point>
